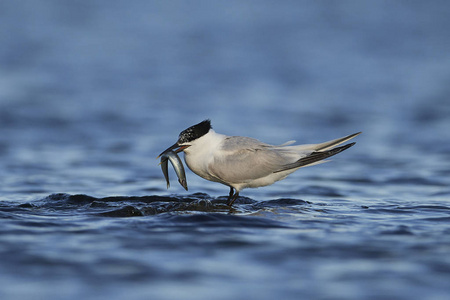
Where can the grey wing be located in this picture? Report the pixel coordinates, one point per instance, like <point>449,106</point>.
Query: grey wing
<point>244,159</point>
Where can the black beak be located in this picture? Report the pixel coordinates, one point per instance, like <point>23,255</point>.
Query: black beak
<point>169,149</point>
<point>174,146</point>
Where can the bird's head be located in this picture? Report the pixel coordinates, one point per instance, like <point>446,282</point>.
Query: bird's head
<point>189,135</point>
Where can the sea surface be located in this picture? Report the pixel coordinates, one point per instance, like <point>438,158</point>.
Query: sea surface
<point>92,91</point>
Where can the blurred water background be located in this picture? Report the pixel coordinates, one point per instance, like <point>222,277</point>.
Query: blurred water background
<point>92,91</point>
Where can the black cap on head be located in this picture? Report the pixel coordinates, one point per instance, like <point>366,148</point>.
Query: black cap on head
<point>194,132</point>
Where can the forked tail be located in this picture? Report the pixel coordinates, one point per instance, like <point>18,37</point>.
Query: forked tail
<point>321,151</point>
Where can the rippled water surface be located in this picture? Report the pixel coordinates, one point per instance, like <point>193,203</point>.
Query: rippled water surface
<point>92,91</point>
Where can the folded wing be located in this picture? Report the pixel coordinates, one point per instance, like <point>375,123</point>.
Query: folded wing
<point>245,159</point>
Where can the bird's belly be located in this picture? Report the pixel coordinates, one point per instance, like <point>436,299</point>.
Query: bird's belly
<point>264,181</point>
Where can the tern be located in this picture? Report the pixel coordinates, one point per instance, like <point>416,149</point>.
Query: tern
<point>243,162</point>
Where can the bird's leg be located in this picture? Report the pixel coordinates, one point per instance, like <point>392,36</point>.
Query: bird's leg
<point>230,195</point>
<point>232,198</point>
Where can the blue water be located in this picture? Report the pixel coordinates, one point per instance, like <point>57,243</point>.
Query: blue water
<point>92,91</point>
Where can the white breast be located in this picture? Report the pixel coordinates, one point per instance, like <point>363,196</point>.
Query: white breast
<point>201,152</point>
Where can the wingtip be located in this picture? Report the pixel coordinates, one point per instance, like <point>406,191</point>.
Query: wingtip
<point>345,147</point>
<point>355,134</point>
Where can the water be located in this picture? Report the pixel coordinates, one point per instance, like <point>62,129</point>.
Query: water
<point>91,92</point>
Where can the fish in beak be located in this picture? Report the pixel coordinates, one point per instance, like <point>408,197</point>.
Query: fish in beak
<point>171,148</point>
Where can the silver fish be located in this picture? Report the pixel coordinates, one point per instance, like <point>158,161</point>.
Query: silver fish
<point>177,165</point>
<point>165,169</point>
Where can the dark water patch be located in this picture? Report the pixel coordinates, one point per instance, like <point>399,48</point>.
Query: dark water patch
<point>437,208</point>
<point>281,202</point>
<point>129,206</point>
<point>400,230</point>
<point>67,201</point>
<point>239,200</point>
<point>14,211</point>
<point>201,205</point>
<point>445,193</point>
<point>320,191</point>
<point>72,199</point>
<point>26,205</point>
<point>127,211</point>
<point>222,220</point>
<point>437,219</point>
<point>362,179</point>
<point>387,209</point>
<point>358,180</point>
<point>440,267</point>
<point>408,210</point>
<point>320,249</point>
<point>415,180</point>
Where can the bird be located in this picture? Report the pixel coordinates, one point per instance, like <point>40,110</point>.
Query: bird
<point>242,162</point>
